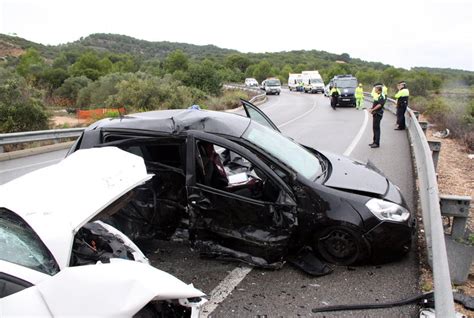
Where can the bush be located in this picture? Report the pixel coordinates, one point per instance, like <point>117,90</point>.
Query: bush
<point>20,107</point>
<point>230,99</point>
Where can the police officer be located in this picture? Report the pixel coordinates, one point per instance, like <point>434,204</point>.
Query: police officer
<point>334,93</point>
<point>359,95</point>
<point>377,113</point>
<point>402,103</point>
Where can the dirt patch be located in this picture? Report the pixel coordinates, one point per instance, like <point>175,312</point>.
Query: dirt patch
<point>456,177</point>
<point>67,121</point>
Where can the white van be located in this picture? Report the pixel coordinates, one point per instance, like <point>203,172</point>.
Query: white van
<point>251,82</point>
<point>272,86</point>
<point>313,82</point>
<point>294,79</point>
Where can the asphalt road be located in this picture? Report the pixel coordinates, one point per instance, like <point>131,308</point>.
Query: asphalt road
<point>288,292</point>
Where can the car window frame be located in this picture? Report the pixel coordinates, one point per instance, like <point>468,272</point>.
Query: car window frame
<point>193,136</point>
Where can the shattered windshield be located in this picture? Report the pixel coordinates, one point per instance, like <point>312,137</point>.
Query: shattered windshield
<point>20,245</point>
<point>285,150</point>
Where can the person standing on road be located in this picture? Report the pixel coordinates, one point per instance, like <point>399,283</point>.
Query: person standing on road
<point>334,93</point>
<point>402,103</point>
<point>359,95</point>
<point>377,113</point>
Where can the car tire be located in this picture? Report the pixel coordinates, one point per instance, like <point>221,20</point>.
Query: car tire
<point>341,245</point>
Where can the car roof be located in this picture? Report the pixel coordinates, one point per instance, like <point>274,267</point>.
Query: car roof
<point>175,121</point>
<point>56,201</point>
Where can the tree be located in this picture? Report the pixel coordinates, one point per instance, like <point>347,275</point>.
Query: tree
<point>238,61</point>
<point>175,61</point>
<point>71,87</point>
<point>262,70</point>
<point>31,65</point>
<point>204,76</point>
<point>20,109</point>
<point>91,65</point>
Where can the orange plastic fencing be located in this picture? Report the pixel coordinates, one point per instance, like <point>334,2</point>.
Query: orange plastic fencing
<point>96,113</point>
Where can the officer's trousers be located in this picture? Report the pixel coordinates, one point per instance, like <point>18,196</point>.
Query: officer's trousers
<point>359,102</point>
<point>376,127</point>
<point>401,116</point>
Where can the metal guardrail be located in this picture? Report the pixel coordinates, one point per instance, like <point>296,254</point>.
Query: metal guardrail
<point>431,212</point>
<point>428,192</point>
<point>57,134</point>
<point>39,135</point>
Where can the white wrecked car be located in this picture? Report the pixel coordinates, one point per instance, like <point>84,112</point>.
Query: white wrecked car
<point>47,229</point>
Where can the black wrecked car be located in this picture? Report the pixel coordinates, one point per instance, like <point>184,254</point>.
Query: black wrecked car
<point>244,191</point>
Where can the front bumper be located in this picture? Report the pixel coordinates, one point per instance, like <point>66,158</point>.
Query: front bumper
<point>390,240</point>
<point>346,100</point>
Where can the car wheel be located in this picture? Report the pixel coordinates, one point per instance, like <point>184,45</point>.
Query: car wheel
<point>341,245</point>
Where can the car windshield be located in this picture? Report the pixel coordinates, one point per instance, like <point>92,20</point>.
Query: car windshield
<point>273,82</point>
<point>20,245</point>
<point>285,150</point>
<point>346,82</point>
<point>316,80</point>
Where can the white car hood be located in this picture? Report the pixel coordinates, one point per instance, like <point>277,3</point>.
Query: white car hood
<point>117,289</point>
<point>58,200</point>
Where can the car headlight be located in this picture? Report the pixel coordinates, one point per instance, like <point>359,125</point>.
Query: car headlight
<point>387,211</point>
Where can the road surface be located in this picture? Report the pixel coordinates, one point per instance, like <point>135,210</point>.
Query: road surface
<point>239,291</point>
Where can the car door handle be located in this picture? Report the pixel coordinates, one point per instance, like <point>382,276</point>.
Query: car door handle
<point>202,203</point>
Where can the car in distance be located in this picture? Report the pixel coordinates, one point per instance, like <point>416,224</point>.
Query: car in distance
<point>347,85</point>
<point>251,82</point>
<point>54,251</point>
<point>312,82</point>
<point>272,86</point>
<point>294,80</point>
<point>249,193</point>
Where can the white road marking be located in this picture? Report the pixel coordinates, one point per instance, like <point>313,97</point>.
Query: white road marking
<point>225,287</point>
<point>300,116</point>
<point>32,165</point>
<point>357,138</point>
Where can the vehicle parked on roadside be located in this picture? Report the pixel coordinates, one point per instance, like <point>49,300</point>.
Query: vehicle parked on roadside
<point>55,253</point>
<point>294,80</point>
<point>313,82</point>
<point>272,86</point>
<point>347,85</point>
<point>249,193</point>
<point>251,82</point>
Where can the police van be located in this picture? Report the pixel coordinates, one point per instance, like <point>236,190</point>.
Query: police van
<point>347,85</point>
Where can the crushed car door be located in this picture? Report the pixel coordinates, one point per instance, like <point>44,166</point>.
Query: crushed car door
<point>254,113</point>
<point>239,208</point>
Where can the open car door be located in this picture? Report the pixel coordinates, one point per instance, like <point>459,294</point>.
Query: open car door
<point>239,208</point>
<point>254,113</point>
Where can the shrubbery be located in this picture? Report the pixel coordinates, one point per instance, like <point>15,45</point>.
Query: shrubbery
<point>21,108</point>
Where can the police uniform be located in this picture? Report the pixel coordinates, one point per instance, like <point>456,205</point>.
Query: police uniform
<point>377,118</point>
<point>334,93</point>
<point>359,95</point>
<point>402,104</point>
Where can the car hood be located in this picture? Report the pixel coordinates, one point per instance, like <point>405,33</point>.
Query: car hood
<point>116,289</point>
<point>350,175</point>
<point>58,200</point>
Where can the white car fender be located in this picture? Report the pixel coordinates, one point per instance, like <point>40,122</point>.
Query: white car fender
<point>116,289</point>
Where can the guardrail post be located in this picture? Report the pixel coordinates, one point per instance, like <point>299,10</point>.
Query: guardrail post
<point>417,114</point>
<point>457,207</point>
<point>424,126</point>
<point>1,149</point>
<point>435,147</point>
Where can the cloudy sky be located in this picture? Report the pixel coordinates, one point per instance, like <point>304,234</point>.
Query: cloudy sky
<point>404,33</point>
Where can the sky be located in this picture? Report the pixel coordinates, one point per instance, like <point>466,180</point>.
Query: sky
<point>403,33</point>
